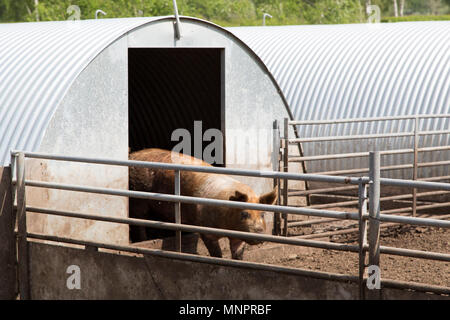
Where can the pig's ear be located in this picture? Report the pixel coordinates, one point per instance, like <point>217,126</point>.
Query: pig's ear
<point>270,197</point>
<point>239,196</point>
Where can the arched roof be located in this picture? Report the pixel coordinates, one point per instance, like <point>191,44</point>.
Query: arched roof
<point>360,71</point>
<point>339,71</point>
<point>38,64</point>
<point>40,61</point>
<point>332,71</point>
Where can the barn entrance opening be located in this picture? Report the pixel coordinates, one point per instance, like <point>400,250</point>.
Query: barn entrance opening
<point>174,88</point>
<point>170,89</point>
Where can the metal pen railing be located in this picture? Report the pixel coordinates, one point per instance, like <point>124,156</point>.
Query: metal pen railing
<point>368,219</point>
<point>282,147</point>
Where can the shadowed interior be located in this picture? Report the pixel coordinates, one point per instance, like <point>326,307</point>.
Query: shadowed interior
<point>170,88</point>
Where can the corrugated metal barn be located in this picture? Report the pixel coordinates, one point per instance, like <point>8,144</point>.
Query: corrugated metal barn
<point>97,87</point>
<point>360,71</point>
<point>100,88</point>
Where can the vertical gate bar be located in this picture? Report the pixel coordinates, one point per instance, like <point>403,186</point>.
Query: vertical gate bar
<point>14,185</point>
<point>362,241</point>
<point>13,171</point>
<point>276,167</point>
<point>374,214</point>
<point>416,159</point>
<point>177,210</point>
<point>279,203</point>
<point>303,162</point>
<point>286,168</point>
<point>24,284</point>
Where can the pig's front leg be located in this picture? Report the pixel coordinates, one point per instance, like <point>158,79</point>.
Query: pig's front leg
<point>237,248</point>
<point>212,244</point>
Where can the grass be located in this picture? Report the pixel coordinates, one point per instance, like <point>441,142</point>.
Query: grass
<point>416,18</point>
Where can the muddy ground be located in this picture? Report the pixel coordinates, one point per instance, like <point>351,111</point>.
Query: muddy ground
<point>392,267</point>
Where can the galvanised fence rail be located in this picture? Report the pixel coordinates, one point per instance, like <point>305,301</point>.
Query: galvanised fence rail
<point>281,154</point>
<point>368,217</point>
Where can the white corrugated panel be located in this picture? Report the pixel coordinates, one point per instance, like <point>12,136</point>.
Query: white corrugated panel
<point>38,64</point>
<point>358,71</point>
<point>340,71</point>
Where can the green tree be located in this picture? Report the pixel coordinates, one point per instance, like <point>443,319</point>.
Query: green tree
<point>15,10</point>
<point>223,12</point>
<point>330,11</point>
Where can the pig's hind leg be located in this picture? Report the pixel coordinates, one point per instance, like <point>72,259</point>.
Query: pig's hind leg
<point>212,244</point>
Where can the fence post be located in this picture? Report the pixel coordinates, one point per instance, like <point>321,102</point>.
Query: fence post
<point>362,208</point>
<point>8,272</point>
<point>177,210</point>
<point>276,167</point>
<point>14,211</point>
<point>286,168</point>
<point>374,216</point>
<point>416,160</point>
<point>24,284</point>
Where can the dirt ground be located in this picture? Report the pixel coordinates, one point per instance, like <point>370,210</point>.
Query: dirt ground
<point>392,267</point>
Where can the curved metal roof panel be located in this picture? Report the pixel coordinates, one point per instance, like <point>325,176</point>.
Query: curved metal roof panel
<point>359,71</point>
<point>325,72</point>
<point>38,64</point>
<point>397,68</point>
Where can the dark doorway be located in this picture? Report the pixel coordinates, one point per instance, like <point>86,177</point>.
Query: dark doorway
<point>170,88</point>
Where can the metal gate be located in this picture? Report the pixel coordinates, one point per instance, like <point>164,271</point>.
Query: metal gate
<point>345,196</point>
<point>368,217</point>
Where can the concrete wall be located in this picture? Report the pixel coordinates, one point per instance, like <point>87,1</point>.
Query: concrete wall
<point>92,121</point>
<point>112,276</point>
